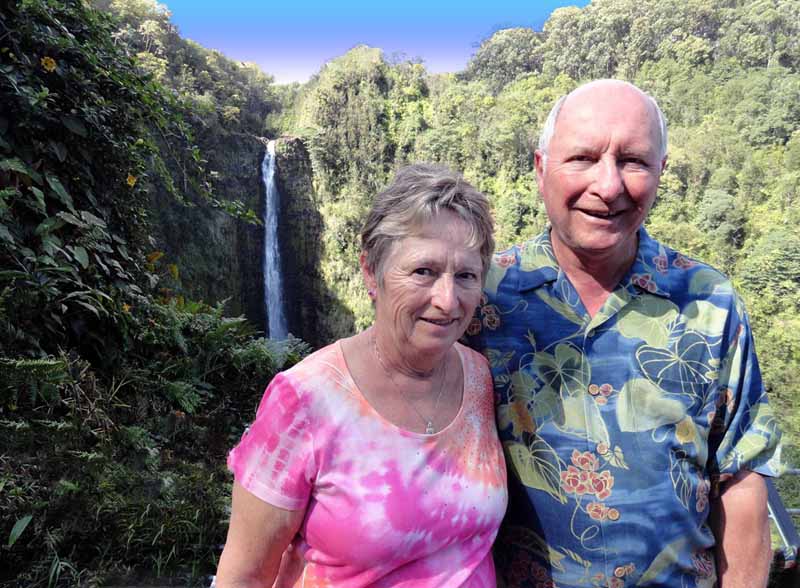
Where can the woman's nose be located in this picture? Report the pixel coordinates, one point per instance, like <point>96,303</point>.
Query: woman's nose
<point>444,293</point>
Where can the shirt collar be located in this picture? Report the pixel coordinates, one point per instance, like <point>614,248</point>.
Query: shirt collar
<point>649,272</point>
<point>537,262</point>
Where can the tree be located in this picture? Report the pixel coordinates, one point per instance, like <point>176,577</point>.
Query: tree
<point>505,56</point>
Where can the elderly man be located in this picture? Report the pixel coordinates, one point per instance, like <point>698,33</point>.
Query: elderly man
<point>635,423</point>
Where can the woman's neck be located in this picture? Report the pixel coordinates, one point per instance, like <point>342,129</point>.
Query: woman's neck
<point>400,359</point>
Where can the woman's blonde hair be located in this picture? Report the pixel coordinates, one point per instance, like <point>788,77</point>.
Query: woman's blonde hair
<point>417,195</point>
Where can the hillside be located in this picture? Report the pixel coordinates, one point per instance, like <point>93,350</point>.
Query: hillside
<point>129,193</point>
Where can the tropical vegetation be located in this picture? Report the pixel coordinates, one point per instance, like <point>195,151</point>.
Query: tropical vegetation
<point>120,395</point>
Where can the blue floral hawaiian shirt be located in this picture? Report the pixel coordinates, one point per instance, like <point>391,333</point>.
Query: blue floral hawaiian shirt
<point>618,427</point>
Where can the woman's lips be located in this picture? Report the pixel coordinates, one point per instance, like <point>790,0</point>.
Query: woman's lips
<point>439,322</point>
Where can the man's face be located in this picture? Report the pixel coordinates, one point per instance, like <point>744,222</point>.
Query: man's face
<point>602,171</point>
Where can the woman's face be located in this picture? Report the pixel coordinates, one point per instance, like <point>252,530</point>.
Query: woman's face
<point>431,286</point>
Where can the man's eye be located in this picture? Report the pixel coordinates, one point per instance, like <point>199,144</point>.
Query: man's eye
<point>635,161</point>
<point>468,276</point>
<point>423,271</point>
<point>582,158</point>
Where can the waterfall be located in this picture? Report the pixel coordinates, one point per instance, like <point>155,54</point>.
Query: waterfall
<point>273,282</point>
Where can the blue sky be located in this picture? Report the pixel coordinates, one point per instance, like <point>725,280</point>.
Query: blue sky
<point>291,40</point>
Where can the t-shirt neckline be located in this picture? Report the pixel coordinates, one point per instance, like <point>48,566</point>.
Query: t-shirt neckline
<point>357,391</point>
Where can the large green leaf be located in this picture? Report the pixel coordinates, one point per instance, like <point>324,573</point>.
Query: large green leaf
<point>643,406</point>
<point>685,368</point>
<point>547,405</point>
<point>81,256</point>
<point>5,235</point>
<point>708,281</point>
<point>75,125</point>
<point>18,166</point>
<point>681,476</point>
<point>667,557</point>
<point>18,529</point>
<point>537,466</point>
<point>706,318</point>
<point>537,254</point>
<point>649,318</point>
<point>39,199</point>
<point>582,419</point>
<point>61,192</point>
<point>562,308</point>
<point>522,384</point>
<point>567,370</point>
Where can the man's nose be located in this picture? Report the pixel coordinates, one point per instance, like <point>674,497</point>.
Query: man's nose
<point>608,182</point>
<point>444,294</point>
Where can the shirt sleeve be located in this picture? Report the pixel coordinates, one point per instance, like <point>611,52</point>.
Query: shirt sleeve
<point>275,458</point>
<point>744,429</point>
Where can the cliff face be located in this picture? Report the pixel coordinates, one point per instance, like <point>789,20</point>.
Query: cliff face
<point>299,231</point>
<point>218,256</point>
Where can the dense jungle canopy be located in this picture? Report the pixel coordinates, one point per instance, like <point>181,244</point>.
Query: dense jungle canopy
<point>121,391</point>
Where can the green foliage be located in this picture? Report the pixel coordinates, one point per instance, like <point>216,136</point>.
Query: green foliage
<point>726,75</point>
<point>135,455</point>
<point>226,96</point>
<point>78,128</point>
<point>119,406</point>
<point>505,56</point>
<point>116,407</point>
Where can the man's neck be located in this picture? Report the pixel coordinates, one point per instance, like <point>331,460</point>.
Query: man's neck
<point>596,275</point>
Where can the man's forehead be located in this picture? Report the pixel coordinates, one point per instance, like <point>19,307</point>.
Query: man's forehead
<point>591,113</point>
<point>608,97</point>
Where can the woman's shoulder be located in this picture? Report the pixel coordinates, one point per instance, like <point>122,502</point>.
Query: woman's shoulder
<point>470,357</point>
<point>476,367</point>
<point>323,370</point>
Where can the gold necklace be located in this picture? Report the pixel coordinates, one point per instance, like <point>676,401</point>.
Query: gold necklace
<point>429,428</point>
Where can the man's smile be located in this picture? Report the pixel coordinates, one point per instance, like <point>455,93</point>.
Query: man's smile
<point>601,214</point>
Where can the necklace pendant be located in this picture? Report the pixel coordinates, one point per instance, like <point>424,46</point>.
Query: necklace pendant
<point>429,430</point>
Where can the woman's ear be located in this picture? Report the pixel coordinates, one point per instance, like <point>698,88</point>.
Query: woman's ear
<point>370,281</point>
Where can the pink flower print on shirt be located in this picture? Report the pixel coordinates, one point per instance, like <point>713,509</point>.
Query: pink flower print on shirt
<point>683,262</point>
<point>644,281</point>
<point>660,261</point>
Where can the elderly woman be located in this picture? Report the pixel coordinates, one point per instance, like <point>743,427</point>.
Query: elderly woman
<point>378,454</point>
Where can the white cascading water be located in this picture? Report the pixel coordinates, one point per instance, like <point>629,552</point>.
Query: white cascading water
<point>273,282</point>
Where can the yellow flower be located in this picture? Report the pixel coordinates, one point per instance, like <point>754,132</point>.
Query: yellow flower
<point>49,64</point>
<point>126,307</point>
<point>131,180</point>
<point>685,430</point>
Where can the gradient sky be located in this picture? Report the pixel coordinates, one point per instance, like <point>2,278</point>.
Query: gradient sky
<point>291,40</point>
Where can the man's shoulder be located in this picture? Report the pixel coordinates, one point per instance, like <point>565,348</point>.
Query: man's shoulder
<point>681,276</point>
<point>519,264</point>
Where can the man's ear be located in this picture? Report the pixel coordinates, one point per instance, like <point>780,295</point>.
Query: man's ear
<point>370,281</point>
<point>539,158</point>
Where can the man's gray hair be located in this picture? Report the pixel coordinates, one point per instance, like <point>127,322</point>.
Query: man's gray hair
<point>549,127</point>
<point>417,195</point>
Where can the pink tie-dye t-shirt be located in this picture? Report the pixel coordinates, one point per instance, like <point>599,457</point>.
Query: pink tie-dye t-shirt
<point>384,506</point>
